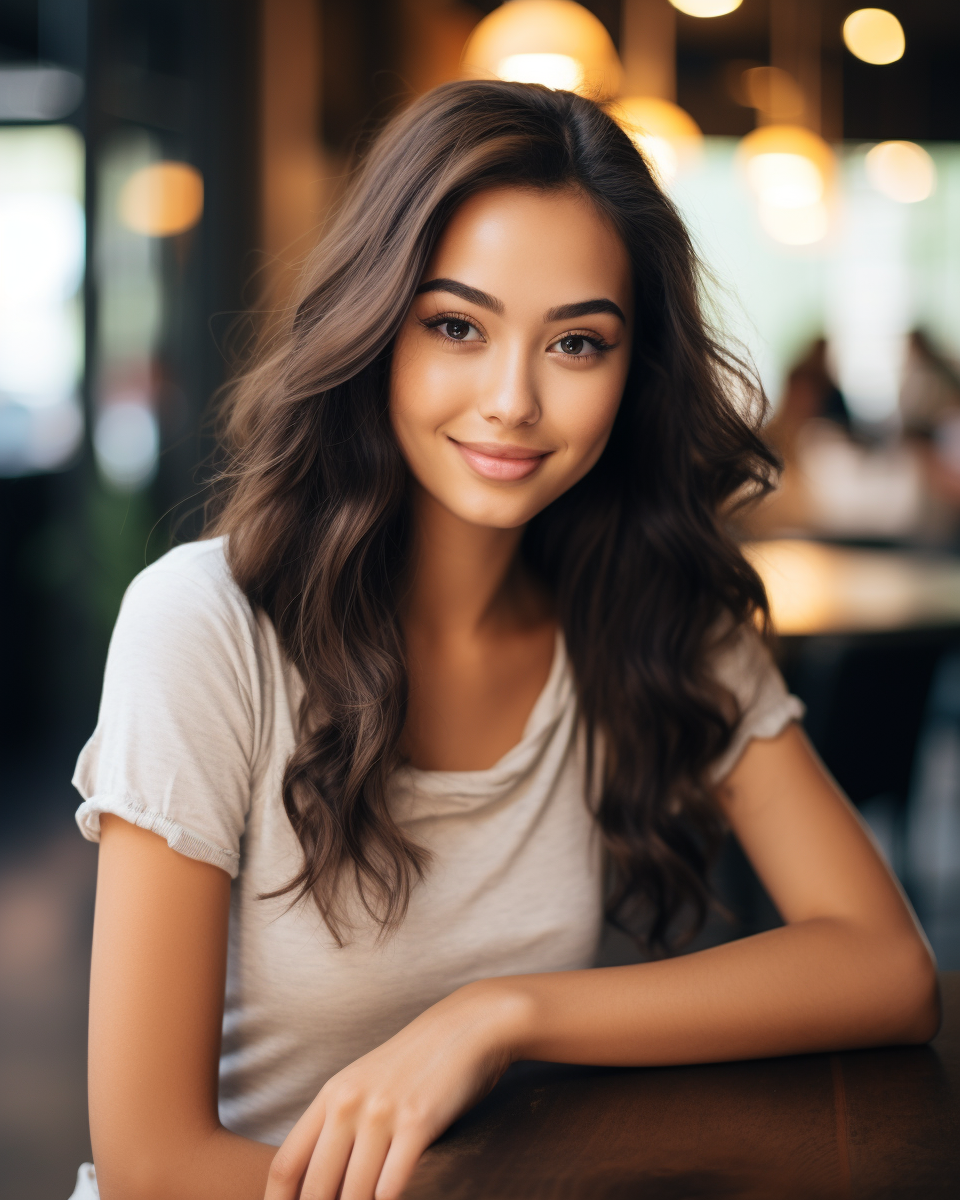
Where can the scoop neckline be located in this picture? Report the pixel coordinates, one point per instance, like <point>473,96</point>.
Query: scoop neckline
<point>539,718</point>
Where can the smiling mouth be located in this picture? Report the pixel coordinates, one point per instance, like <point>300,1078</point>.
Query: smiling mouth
<point>493,460</point>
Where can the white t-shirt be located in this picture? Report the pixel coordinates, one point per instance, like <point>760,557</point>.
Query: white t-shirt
<point>197,721</point>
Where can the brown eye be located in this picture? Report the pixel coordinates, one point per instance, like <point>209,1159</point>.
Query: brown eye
<point>458,330</point>
<point>572,345</point>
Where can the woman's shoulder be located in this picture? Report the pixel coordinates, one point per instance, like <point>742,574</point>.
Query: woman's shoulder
<point>185,709</point>
<point>191,584</point>
<point>744,665</point>
<point>197,568</point>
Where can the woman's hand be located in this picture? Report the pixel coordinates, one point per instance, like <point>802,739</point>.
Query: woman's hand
<point>370,1123</point>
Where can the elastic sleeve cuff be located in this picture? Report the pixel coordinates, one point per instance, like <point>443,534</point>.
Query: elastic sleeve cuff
<point>770,725</point>
<point>184,841</point>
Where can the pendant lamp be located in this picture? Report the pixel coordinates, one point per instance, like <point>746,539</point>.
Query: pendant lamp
<point>556,43</point>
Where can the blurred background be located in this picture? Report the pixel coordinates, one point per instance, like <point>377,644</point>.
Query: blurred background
<point>165,165</point>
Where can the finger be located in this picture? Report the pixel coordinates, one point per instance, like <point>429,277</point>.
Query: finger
<point>402,1158</point>
<point>366,1161</point>
<point>328,1163</point>
<point>291,1160</point>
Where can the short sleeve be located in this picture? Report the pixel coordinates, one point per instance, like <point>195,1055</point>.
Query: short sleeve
<point>746,668</point>
<point>174,743</point>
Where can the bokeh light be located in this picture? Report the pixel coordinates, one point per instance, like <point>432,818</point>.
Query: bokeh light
<point>554,42</point>
<point>773,92</point>
<point>706,8</point>
<point>126,441</point>
<point>162,199</point>
<point>903,171</point>
<point>785,180</point>
<point>558,71</point>
<point>790,170</point>
<point>41,246</point>
<point>874,36</point>
<point>42,251</point>
<point>801,225</point>
<point>667,137</point>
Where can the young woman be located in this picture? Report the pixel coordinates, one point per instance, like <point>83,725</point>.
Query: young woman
<point>467,658</point>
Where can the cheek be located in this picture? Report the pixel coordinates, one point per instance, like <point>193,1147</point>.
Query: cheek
<point>585,410</point>
<point>425,389</point>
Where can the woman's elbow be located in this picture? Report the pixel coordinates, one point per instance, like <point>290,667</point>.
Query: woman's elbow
<point>149,1173</point>
<point>140,1177</point>
<point>914,992</point>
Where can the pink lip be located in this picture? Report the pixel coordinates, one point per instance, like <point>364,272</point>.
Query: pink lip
<point>495,460</point>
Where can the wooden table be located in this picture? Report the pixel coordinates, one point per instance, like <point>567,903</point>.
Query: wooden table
<point>852,1126</point>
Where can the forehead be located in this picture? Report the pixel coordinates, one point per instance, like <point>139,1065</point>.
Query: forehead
<point>538,248</point>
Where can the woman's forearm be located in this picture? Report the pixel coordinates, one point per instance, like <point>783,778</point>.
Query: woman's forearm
<point>816,985</point>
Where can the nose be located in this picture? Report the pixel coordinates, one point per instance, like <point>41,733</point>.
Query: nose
<point>511,399</point>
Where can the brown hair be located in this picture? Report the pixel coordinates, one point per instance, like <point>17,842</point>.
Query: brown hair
<point>642,568</point>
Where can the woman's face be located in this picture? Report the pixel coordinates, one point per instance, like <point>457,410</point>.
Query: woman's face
<point>509,368</point>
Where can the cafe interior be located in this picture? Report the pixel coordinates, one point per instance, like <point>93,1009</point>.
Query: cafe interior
<point>165,166</point>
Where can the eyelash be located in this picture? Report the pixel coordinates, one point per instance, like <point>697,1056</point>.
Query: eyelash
<point>434,323</point>
<point>600,346</point>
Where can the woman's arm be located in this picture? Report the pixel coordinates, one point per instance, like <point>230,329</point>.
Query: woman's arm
<point>850,968</point>
<point>156,1005</point>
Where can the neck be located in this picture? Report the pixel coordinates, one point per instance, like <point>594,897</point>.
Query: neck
<point>463,577</point>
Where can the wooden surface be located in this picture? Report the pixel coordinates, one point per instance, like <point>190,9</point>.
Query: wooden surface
<point>816,588</point>
<point>864,1124</point>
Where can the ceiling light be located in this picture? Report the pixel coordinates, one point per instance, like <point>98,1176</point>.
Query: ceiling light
<point>785,180</point>
<point>903,171</point>
<point>559,71</point>
<point>772,91</point>
<point>557,43</point>
<point>667,137</point>
<point>790,170</point>
<point>800,226</point>
<point>706,8</point>
<point>874,35</point>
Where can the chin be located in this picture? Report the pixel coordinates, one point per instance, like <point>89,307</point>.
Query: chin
<point>496,512</point>
<point>497,520</point>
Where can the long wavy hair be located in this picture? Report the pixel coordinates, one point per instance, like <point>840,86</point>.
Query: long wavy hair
<point>645,576</point>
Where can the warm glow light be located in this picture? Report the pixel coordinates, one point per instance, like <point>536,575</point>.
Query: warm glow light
<point>790,170</point>
<point>874,35</point>
<point>706,8</point>
<point>554,42</point>
<point>799,226</point>
<point>667,137</point>
<point>552,70</point>
<point>815,588</point>
<point>903,171</point>
<point>785,180</point>
<point>162,199</point>
<point>773,92</point>
<point>797,581</point>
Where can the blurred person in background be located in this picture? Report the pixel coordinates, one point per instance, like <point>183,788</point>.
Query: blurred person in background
<point>466,659</point>
<point>899,481</point>
<point>930,406</point>
<point>810,394</point>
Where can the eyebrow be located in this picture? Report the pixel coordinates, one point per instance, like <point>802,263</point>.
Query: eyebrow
<point>472,295</point>
<point>585,308</point>
<point>564,312</point>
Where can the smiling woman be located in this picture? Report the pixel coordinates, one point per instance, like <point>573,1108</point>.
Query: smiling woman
<point>467,659</point>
